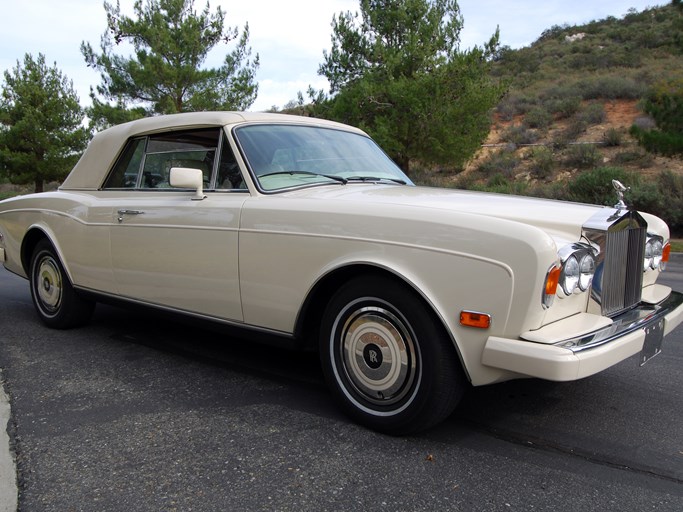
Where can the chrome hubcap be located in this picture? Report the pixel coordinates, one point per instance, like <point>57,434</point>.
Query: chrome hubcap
<point>49,284</point>
<point>378,355</point>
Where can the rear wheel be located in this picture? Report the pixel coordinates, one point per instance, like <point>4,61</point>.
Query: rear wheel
<point>57,303</point>
<point>386,357</point>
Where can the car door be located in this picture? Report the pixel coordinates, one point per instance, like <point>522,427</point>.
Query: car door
<point>168,249</point>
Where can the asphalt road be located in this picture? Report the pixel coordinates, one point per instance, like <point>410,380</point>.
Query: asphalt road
<point>137,414</point>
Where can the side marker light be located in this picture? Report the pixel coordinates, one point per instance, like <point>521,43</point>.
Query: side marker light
<point>473,319</point>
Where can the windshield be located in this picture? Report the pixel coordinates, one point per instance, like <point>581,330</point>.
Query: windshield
<point>286,156</point>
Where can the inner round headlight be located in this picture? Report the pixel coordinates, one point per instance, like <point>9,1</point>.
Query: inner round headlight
<point>570,275</point>
<point>587,270</point>
<point>647,262</point>
<point>657,250</point>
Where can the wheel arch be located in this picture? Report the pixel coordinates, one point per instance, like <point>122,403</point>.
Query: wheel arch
<point>308,320</point>
<point>33,236</point>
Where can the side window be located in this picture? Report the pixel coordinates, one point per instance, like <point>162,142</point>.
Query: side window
<point>127,168</point>
<point>229,175</point>
<point>195,149</point>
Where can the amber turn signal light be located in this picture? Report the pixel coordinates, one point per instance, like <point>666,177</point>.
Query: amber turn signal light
<point>472,319</point>
<point>552,280</point>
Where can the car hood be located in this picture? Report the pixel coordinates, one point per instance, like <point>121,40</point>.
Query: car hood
<point>560,219</point>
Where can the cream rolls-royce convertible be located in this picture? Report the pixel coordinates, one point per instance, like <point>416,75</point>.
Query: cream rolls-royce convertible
<point>304,232</point>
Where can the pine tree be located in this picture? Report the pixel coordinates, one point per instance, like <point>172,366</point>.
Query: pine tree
<point>396,70</point>
<point>41,124</point>
<point>171,42</point>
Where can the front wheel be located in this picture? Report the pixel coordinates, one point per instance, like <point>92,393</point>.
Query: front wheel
<point>386,357</point>
<point>57,303</point>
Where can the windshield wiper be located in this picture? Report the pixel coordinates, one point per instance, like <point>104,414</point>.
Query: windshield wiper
<point>307,173</point>
<point>376,179</point>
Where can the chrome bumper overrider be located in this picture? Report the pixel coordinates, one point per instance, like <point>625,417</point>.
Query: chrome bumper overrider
<point>635,319</point>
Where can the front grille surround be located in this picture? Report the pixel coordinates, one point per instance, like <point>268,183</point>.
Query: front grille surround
<point>620,236</point>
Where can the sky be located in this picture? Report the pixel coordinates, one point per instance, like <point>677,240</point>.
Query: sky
<point>288,35</point>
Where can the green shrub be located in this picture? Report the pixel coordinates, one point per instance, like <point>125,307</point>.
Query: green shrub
<point>598,59</point>
<point>664,102</point>
<point>640,158</point>
<point>518,188</point>
<point>499,184</point>
<point>611,87</point>
<point>593,113</point>
<point>425,177</point>
<point>564,107</point>
<point>672,183</point>
<point>513,105</point>
<point>517,62</point>
<point>646,197</point>
<point>572,131</point>
<point>519,134</point>
<point>663,197</point>
<point>542,162</point>
<point>583,156</point>
<point>556,190</point>
<point>497,180</point>
<point>503,162</point>
<point>652,39</point>
<point>506,110</point>
<point>465,182</point>
<point>558,92</point>
<point>560,142</point>
<point>671,191</point>
<point>595,186</point>
<point>663,143</point>
<point>538,117</point>
<point>612,138</point>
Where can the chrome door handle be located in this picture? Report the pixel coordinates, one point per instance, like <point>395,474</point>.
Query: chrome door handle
<point>128,212</point>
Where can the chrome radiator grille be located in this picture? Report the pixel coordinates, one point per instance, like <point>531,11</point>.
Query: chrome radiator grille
<point>620,236</point>
<point>622,278</point>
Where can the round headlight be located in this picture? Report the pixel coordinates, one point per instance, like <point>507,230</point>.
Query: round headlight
<point>586,271</point>
<point>647,262</point>
<point>570,275</point>
<point>657,250</point>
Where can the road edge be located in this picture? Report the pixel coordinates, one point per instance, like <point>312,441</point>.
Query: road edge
<point>8,470</point>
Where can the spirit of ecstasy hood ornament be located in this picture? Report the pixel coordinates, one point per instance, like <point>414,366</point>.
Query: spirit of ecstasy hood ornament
<point>620,189</point>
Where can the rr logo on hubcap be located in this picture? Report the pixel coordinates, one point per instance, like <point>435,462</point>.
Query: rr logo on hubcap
<point>372,356</point>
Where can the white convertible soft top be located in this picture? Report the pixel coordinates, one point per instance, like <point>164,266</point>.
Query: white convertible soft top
<point>91,170</point>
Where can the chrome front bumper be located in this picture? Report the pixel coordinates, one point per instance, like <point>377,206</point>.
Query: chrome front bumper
<point>635,319</point>
<point>639,330</point>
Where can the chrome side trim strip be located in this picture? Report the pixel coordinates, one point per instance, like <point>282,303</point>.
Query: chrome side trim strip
<point>637,318</point>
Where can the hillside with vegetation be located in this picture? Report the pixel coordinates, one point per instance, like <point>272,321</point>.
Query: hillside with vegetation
<point>580,106</point>
<point>565,127</point>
